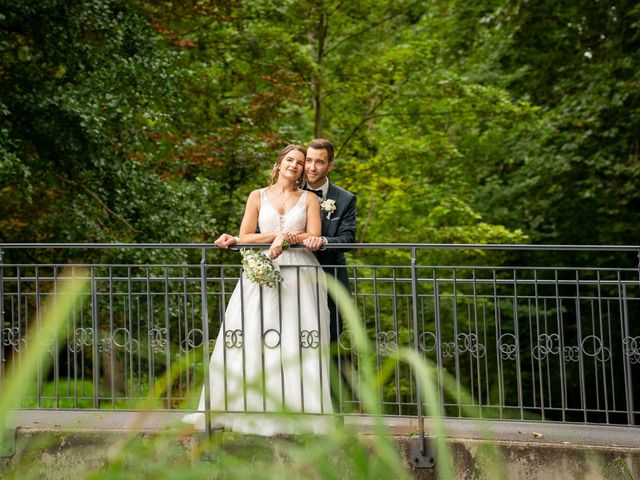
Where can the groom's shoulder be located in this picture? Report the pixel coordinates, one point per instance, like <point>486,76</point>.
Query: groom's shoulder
<point>342,191</point>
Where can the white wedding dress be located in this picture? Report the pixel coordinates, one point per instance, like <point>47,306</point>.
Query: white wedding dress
<point>269,371</point>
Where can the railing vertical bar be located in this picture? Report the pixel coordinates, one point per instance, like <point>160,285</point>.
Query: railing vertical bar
<point>139,336</point>
<point>299,309</point>
<point>282,391</point>
<point>396,335</point>
<point>498,329</point>
<point>469,347</point>
<point>356,294</point>
<point>204,302</point>
<point>130,340</point>
<point>112,345</point>
<point>626,351</point>
<point>56,340</point>
<point>244,347</point>
<point>167,326</point>
<point>540,347</point>
<point>223,328</point>
<point>583,394</point>
<point>486,353</point>
<point>561,353</point>
<point>150,327</point>
<point>516,329</point>
<point>38,327</point>
<point>68,339</point>
<point>478,344</point>
<point>604,360</point>
<point>414,296</point>
<point>130,385</point>
<point>532,357</point>
<point>95,358</point>
<point>595,356</point>
<point>613,383</point>
<point>545,308</point>
<point>320,345</point>
<point>456,350</point>
<point>75,346</point>
<point>436,306</point>
<point>379,335</point>
<point>2,316</point>
<point>187,332</point>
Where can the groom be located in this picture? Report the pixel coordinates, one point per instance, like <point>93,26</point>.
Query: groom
<point>338,213</point>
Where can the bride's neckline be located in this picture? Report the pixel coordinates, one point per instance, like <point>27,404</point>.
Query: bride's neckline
<point>264,195</point>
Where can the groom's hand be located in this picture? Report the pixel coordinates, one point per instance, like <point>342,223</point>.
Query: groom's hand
<point>225,241</point>
<point>314,243</point>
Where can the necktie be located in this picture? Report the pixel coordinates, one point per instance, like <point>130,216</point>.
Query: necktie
<point>317,192</point>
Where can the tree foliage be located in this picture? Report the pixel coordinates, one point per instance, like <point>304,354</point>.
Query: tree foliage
<point>454,122</point>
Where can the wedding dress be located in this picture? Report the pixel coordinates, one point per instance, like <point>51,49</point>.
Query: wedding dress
<point>269,371</point>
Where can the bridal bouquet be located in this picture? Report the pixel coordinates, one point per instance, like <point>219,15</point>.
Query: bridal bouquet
<point>260,268</point>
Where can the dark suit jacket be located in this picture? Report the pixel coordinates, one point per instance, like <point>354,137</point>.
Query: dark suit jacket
<point>339,228</point>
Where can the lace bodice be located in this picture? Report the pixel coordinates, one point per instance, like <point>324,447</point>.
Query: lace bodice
<point>269,220</point>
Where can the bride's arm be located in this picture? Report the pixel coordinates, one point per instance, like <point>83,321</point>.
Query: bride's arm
<point>314,222</point>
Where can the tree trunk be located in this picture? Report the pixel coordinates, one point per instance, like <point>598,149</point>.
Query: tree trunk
<point>318,37</point>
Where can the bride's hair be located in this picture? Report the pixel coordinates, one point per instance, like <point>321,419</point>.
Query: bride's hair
<point>276,166</point>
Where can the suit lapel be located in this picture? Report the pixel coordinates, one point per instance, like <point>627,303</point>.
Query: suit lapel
<point>332,194</point>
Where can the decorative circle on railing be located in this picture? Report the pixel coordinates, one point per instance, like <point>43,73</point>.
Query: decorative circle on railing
<point>508,346</point>
<point>121,338</point>
<point>192,340</point>
<point>470,344</point>
<point>233,338</point>
<point>571,354</point>
<point>158,340</point>
<point>309,338</point>
<point>631,348</point>
<point>597,350</point>
<point>271,338</point>
<point>387,342</point>
<point>82,337</point>
<point>449,349</point>
<point>105,345</point>
<point>424,344</point>
<point>345,340</point>
<point>547,344</point>
<point>13,338</point>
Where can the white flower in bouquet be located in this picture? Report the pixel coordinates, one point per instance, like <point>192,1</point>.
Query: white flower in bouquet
<point>260,268</point>
<point>328,206</point>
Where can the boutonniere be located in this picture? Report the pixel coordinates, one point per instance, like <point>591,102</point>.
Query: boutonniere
<point>328,206</point>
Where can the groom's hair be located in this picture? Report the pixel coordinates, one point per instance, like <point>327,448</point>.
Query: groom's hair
<point>322,144</point>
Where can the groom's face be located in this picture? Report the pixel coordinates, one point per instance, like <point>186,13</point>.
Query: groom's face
<point>317,167</point>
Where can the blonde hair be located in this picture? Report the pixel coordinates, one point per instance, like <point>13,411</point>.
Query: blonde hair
<point>276,166</point>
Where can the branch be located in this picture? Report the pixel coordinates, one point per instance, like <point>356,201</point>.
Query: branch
<point>98,199</point>
<point>366,30</point>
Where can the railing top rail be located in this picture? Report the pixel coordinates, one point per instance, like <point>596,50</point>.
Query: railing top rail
<point>432,246</point>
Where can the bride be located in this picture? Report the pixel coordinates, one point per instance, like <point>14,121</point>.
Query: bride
<point>269,371</point>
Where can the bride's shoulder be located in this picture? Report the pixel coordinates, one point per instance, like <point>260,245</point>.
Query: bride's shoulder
<point>311,199</point>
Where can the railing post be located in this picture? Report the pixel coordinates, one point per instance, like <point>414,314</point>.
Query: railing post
<point>420,455</point>
<point>2,360</point>
<point>205,341</point>
<point>95,354</point>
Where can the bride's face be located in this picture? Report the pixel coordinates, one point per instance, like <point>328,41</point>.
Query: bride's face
<point>292,165</point>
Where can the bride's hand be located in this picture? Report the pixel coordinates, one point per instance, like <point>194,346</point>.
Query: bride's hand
<point>275,250</point>
<point>293,237</point>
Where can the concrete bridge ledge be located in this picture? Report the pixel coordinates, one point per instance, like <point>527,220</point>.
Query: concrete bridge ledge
<point>80,439</point>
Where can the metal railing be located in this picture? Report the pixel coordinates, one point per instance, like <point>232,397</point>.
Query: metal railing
<point>511,339</point>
